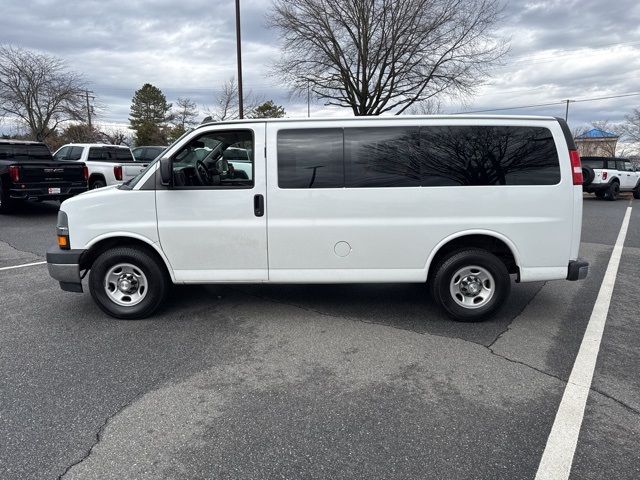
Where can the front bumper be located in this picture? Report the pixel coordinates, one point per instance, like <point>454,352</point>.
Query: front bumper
<point>64,266</point>
<point>577,269</point>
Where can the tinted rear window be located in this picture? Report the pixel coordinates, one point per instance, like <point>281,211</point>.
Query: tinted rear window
<point>310,158</point>
<point>123,155</point>
<point>593,162</point>
<point>487,155</point>
<point>24,152</point>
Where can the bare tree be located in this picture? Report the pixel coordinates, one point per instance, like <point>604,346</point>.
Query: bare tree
<point>117,136</point>
<point>184,113</point>
<point>630,130</point>
<point>377,56</point>
<point>38,91</point>
<point>225,106</point>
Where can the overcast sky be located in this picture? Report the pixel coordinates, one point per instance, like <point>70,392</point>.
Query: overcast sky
<point>559,49</point>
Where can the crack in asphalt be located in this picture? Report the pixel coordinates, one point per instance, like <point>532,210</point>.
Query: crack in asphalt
<point>39,255</point>
<point>99,435</point>
<point>489,348</point>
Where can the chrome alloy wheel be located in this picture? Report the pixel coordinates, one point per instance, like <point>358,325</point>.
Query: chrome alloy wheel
<point>472,287</point>
<point>125,284</point>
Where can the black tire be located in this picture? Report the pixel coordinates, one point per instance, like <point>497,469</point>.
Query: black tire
<point>97,183</point>
<point>588,175</point>
<point>612,192</point>
<point>6,204</point>
<point>600,194</point>
<point>446,271</point>
<point>154,274</point>
<point>636,193</point>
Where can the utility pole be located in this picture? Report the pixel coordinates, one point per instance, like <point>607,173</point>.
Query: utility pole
<point>239,59</point>
<point>86,96</point>
<point>566,113</point>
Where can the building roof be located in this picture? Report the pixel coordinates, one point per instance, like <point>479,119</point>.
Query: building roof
<point>596,133</point>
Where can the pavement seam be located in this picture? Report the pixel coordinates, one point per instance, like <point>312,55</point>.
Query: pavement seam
<point>100,435</point>
<point>533,297</point>
<point>39,255</point>
<point>487,347</point>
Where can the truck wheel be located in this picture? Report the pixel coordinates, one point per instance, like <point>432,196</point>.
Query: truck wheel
<point>470,285</point>
<point>600,194</point>
<point>6,204</point>
<point>128,283</point>
<point>97,184</point>
<point>612,192</point>
<point>636,193</point>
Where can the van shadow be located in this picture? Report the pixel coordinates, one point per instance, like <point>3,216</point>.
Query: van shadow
<point>402,306</point>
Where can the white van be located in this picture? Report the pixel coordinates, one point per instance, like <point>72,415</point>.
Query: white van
<point>460,203</point>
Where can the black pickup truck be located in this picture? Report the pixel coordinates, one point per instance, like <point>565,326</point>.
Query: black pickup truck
<point>29,172</point>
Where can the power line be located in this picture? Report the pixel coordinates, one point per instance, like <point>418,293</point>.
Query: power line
<point>521,107</point>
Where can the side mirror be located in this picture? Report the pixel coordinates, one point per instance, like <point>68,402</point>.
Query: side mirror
<point>165,171</point>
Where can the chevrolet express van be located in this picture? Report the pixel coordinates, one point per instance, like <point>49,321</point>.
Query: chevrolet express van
<point>462,204</point>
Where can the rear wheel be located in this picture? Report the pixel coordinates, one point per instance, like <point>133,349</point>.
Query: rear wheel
<point>128,283</point>
<point>97,183</point>
<point>600,194</point>
<point>612,192</point>
<point>470,285</point>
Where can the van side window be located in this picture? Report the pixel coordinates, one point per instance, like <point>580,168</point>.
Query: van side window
<point>310,158</point>
<point>219,159</point>
<point>488,155</point>
<point>381,157</point>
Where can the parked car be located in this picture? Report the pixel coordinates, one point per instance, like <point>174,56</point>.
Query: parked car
<point>108,164</point>
<point>608,176</point>
<point>28,171</point>
<point>147,153</point>
<point>462,203</point>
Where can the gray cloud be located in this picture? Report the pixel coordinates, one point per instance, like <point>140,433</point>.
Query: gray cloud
<point>559,49</point>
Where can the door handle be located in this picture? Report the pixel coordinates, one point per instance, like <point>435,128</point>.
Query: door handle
<point>258,205</point>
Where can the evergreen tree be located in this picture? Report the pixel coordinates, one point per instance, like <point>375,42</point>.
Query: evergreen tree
<point>267,109</point>
<point>149,115</point>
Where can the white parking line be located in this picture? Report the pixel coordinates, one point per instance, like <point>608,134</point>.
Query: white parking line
<point>21,266</point>
<point>561,445</point>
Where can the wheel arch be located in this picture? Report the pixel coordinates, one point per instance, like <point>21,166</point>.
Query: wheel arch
<point>97,176</point>
<point>494,242</point>
<point>117,239</point>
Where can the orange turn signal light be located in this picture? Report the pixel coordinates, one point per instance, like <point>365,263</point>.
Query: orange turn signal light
<point>63,242</point>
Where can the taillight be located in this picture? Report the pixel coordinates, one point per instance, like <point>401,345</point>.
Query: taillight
<point>14,173</point>
<point>605,175</point>
<point>576,167</point>
<point>117,171</point>
<point>85,173</point>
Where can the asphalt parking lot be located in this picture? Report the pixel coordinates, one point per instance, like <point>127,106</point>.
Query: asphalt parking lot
<point>311,381</point>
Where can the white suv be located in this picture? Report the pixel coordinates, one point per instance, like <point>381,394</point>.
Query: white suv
<point>608,176</point>
<point>107,164</point>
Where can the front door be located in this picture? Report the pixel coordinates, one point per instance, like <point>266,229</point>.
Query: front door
<point>211,220</point>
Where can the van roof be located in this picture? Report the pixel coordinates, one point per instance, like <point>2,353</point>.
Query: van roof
<point>385,118</point>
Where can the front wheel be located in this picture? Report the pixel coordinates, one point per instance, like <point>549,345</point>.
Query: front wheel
<point>128,283</point>
<point>636,193</point>
<point>600,194</point>
<point>470,285</point>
